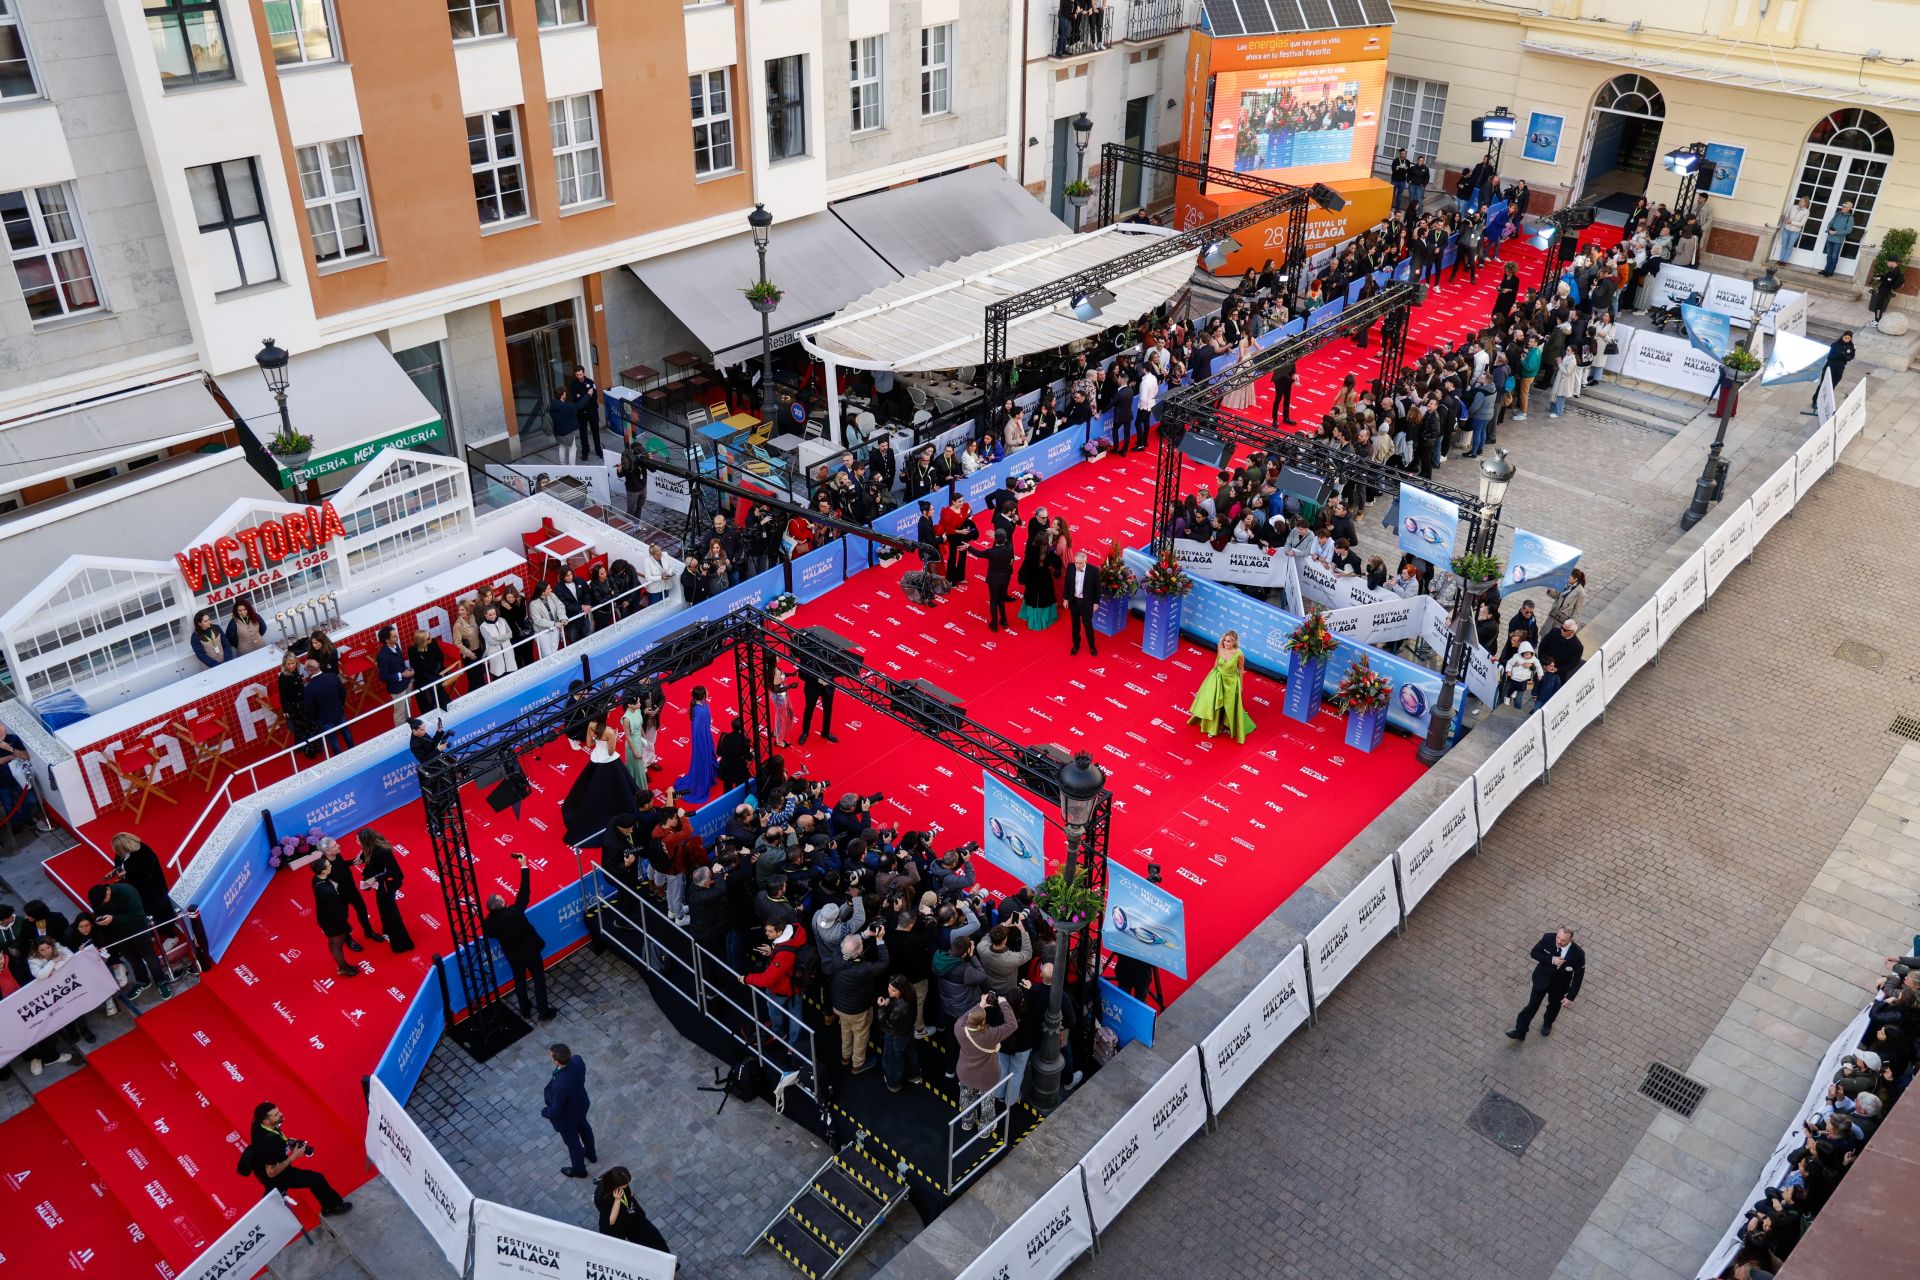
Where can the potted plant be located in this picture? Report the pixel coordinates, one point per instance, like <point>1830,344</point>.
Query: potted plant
<point>783,605</point>
<point>1078,192</point>
<point>764,295</point>
<point>1308,647</point>
<point>290,448</point>
<point>1166,583</point>
<point>1477,571</point>
<point>1069,900</point>
<point>1117,587</point>
<point>1363,694</point>
<point>1741,364</point>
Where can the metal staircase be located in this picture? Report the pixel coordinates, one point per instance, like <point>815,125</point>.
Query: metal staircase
<point>834,1213</point>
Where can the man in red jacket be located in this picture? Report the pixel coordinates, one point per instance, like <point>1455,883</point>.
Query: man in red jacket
<point>782,980</point>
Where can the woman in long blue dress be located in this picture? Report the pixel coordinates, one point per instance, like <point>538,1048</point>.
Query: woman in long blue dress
<point>696,784</point>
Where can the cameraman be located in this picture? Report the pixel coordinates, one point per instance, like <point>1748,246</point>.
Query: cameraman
<point>270,1157</point>
<point>954,872</point>
<point>854,982</point>
<point>838,920</point>
<point>910,941</point>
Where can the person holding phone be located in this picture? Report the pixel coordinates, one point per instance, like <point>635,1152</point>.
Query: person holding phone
<point>525,950</point>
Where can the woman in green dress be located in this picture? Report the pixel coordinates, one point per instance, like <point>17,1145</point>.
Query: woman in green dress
<point>1217,707</point>
<point>1039,608</point>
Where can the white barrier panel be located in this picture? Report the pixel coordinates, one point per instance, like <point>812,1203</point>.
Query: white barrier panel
<point>1728,546</point>
<point>1671,362</point>
<point>1322,585</point>
<point>1381,623</point>
<point>1511,768</point>
<point>1483,675</point>
<point>1440,841</point>
<point>419,1173</point>
<point>1259,1024</point>
<point>1730,296</point>
<point>1046,1240</point>
<point>1572,709</point>
<point>1345,935</point>
<point>1773,501</point>
<point>1682,593</point>
<point>511,1244</point>
<point>249,1244</point>
<point>1676,284</point>
<point>1790,312</point>
<point>1158,1125</point>
<point>1632,647</point>
<point>45,1005</point>
<point>1812,460</point>
<point>1246,563</point>
<point>1851,419</point>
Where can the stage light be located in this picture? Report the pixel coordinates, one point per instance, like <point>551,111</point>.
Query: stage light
<point>1544,235</point>
<point>1497,125</point>
<point>929,706</point>
<point>1684,160</point>
<point>513,789</point>
<point>1083,308</point>
<point>1215,255</point>
<point>1326,197</point>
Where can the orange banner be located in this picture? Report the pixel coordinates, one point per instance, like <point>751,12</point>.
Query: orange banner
<point>1369,201</point>
<point>1301,49</point>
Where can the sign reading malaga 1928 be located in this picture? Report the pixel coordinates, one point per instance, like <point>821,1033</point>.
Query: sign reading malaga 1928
<point>249,559</point>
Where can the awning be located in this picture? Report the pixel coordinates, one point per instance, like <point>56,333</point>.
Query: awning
<point>100,433</point>
<point>1765,79</point>
<point>352,397</point>
<point>818,265</point>
<point>937,319</point>
<point>927,223</point>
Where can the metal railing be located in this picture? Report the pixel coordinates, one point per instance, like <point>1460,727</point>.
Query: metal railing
<point>1074,34</point>
<point>970,1143</point>
<point>1151,19</point>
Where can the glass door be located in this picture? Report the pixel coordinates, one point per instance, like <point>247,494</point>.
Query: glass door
<point>1828,176</point>
<point>542,348</point>
<point>1130,175</point>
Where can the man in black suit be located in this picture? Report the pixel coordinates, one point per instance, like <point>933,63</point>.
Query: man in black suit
<point>816,690</point>
<point>1559,965</point>
<point>1283,395</point>
<point>1082,590</point>
<point>566,1109</point>
<point>521,943</point>
<point>999,558</point>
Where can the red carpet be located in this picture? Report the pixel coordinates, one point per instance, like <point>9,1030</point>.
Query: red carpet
<point>57,1217</point>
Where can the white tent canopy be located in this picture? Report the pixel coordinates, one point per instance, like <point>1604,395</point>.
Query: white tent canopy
<point>937,319</point>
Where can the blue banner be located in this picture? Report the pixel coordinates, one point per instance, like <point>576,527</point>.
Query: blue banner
<point>1160,636</point>
<point>1101,428</point>
<point>1144,921</point>
<point>979,486</point>
<point>413,1040</point>
<point>1537,561</point>
<point>1353,291</point>
<point>1325,312</point>
<point>1127,1018</point>
<point>1056,453</point>
<point>1015,839</point>
<point>710,819</point>
<point>228,894</point>
<point>899,522</point>
<point>1710,331</point>
<point>1451,252</point>
<point>1403,271</point>
<point>814,574</point>
<point>1429,526</point>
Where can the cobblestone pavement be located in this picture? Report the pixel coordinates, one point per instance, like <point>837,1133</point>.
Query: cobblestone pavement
<point>1676,838</point>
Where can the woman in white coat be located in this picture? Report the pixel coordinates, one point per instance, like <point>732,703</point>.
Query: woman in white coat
<point>1793,221</point>
<point>548,618</point>
<point>497,632</point>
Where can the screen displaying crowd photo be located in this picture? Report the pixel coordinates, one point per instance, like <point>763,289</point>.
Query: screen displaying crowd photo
<point>1309,124</point>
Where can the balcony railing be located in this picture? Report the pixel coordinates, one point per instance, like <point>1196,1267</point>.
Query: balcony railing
<point>1151,19</point>
<point>1080,28</point>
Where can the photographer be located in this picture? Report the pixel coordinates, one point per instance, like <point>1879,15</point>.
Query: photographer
<point>854,814</point>
<point>853,983</point>
<point>898,874</point>
<point>954,872</point>
<point>838,920</point>
<point>1007,952</point>
<point>270,1157</point>
<point>959,982</point>
<point>910,941</point>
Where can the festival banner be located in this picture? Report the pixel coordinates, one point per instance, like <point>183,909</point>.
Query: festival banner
<point>1789,314</point>
<point>1683,592</point>
<point>1572,708</point>
<point>1439,842</point>
<point>818,571</point>
<point>1259,1024</point>
<point>1244,563</point>
<point>1773,500</point>
<point>1429,526</point>
<point>1813,459</point>
<point>1676,285</point>
<point>1823,405</point>
<point>1670,362</point>
<point>1016,832</point>
<point>1047,1239</point>
<point>1794,359</point>
<point>1537,562</point>
<point>412,1042</point>
<point>1483,676</point>
<point>1710,331</point>
<point>1129,1018</point>
<point>1171,1111</point>
<point>248,1245</point>
<point>1345,934</point>
<point>1325,312</point>
<point>1508,771</point>
<point>1383,622</point>
<point>419,1173</point>
<point>1728,546</point>
<point>1630,647</point>
<point>1851,419</point>
<point>511,1244</point>
<point>1144,921</point>
<point>41,1007</point>
<point>1731,296</point>
<point>1322,585</point>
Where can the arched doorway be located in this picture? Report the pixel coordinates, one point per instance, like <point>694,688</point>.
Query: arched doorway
<point>1623,140</point>
<point>1847,156</point>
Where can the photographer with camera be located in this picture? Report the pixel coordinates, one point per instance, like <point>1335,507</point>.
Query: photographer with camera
<point>958,982</point>
<point>1006,954</point>
<point>954,872</point>
<point>271,1155</point>
<point>853,982</point>
<point>837,920</point>
<point>910,929</point>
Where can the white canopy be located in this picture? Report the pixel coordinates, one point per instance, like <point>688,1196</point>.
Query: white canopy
<point>937,319</point>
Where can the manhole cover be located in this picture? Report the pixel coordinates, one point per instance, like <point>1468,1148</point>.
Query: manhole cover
<point>1672,1090</point>
<point>1860,655</point>
<point>1505,1123</point>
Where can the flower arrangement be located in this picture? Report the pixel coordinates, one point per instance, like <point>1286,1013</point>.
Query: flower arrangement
<point>1477,568</point>
<point>292,849</point>
<point>1363,688</point>
<point>762,291</point>
<point>1024,483</point>
<point>1312,638</point>
<point>1167,578</point>
<point>1116,579</point>
<point>783,603</point>
<point>1068,898</point>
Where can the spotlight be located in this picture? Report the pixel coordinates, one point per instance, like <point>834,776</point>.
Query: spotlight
<point>1084,308</point>
<point>513,789</point>
<point>1544,235</point>
<point>1214,256</point>
<point>1684,160</point>
<point>1497,125</point>
<point>1326,197</point>
<point>1576,217</point>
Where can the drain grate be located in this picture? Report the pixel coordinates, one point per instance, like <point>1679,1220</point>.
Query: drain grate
<point>1672,1090</point>
<point>1907,726</point>
<point>1860,655</point>
<point>1505,1123</point>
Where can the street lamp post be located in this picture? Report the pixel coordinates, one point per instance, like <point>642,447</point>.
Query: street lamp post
<point>272,360</point>
<point>762,223</point>
<point>1496,473</point>
<point>1713,476</point>
<point>1082,134</point>
<point>1081,785</point>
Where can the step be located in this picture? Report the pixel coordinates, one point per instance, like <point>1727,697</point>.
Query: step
<point>835,1185</point>
<point>1645,404</point>
<point>800,1247</point>
<point>827,1223</point>
<point>878,1177</point>
<point>133,1162</point>
<point>57,1217</point>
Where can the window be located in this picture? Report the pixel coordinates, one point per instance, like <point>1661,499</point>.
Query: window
<point>16,72</point>
<point>936,70</point>
<point>333,186</point>
<point>300,31</point>
<point>476,19</point>
<point>493,148</point>
<point>1415,109</point>
<point>560,13</point>
<point>869,97</point>
<point>49,254</point>
<point>427,366</point>
<point>233,223</point>
<point>786,107</point>
<point>189,41</point>
<point>576,149</point>
<point>103,621</point>
<point>712,123</point>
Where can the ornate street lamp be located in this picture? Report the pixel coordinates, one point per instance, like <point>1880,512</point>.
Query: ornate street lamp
<point>1082,783</point>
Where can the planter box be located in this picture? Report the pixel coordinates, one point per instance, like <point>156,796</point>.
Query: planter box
<point>1110,615</point>
<point>1365,728</point>
<point>1306,678</point>
<point>1161,635</point>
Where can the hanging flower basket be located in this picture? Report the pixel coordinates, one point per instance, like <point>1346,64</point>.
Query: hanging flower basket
<point>763,296</point>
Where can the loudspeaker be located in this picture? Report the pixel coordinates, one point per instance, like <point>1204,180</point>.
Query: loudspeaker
<point>1479,132</point>
<point>826,652</point>
<point>1207,450</point>
<point>511,790</point>
<point>928,704</point>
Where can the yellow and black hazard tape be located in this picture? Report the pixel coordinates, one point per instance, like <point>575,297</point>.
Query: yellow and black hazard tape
<point>840,1162</point>
<point>835,1201</point>
<point>890,1149</point>
<point>798,1265</point>
<point>815,1232</point>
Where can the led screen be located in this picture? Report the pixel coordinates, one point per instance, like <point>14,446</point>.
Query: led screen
<point>1298,124</point>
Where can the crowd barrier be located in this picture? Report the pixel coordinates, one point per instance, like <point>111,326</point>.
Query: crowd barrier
<point>1067,1221</point>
